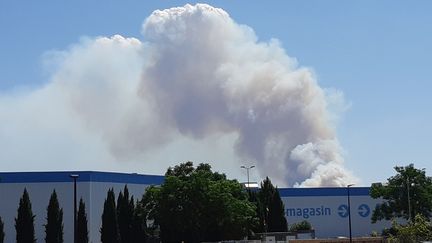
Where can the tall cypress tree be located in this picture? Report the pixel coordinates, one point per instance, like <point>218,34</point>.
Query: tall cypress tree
<point>109,229</point>
<point>125,210</point>
<point>272,208</point>
<point>24,222</point>
<point>82,230</point>
<point>139,224</point>
<point>2,234</point>
<point>54,225</point>
<point>277,221</point>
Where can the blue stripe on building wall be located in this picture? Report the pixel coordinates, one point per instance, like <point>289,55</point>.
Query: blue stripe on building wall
<point>84,176</point>
<point>96,176</point>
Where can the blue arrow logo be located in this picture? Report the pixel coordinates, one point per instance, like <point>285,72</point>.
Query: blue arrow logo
<point>343,210</point>
<point>363,210</point>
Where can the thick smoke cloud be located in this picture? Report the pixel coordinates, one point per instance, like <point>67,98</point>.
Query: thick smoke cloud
<point>196,75</point>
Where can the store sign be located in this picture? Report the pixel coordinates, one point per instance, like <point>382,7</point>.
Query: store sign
<point>363,210</point>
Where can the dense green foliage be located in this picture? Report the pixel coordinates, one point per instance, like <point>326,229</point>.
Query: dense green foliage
<point>82,229</point>
<point>395,194</point>
<point>24,222</point>
<point>109,230</point>
<point>419,230</point>
<point>125,213</point>
<point>54,225</point>
<point>271,208</point>
<point>2,234</point>
<point>196,204</point>
<point>303,225</point>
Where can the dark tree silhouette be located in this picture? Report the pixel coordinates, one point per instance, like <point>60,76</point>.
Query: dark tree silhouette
<point>139,225</point>
<point>125,211</point>
<point>82,230</point>
<point>54,225</point>
<point>271,211</point>
<point>24,222</point>
<point>2,234</point>
<point>109,230</point>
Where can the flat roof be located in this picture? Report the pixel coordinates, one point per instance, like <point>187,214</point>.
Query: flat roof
<point>84,176</point>
<point>134,178</point>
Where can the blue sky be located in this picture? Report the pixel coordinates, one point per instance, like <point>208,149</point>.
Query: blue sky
<point>376,52</point>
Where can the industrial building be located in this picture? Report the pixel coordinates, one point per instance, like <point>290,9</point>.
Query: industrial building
<point>325,208</point>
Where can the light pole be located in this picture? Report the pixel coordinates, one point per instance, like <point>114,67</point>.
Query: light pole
<point>409,198</point>
<point>247,170</point>
<point>75,177</point>
<point>349,211</point>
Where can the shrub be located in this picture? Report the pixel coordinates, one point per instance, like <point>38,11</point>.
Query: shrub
<point>303,225</point>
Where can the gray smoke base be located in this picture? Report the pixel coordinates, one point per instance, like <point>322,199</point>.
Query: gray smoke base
<point>198,73</point>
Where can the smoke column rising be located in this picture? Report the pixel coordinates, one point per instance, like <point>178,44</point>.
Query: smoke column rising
<point>197,73</point>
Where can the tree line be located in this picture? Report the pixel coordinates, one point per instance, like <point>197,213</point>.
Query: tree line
<point>194,204</point>
<point>24,222</point>
<point>407,202</point>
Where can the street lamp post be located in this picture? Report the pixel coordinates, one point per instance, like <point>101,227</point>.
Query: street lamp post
<point>409,199</point>
<point>349,211</point>
<point>74,177</point>
<point>247,170</point>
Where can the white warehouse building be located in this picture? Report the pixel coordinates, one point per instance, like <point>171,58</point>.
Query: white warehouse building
<point>91,186</point>
<point>325,208</point>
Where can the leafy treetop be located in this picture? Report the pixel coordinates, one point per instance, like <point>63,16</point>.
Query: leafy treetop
<point>410,190</point>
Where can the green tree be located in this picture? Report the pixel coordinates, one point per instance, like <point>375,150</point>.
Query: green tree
<point>24,222</point>
<point>109,230</point>
<point>125,211</point>
<point>139,224</point>
<point>54,225</point>
<point>410,190</point>
<point>196,204</point>
<point>303,225</point>
<point>419,230</point>
<point>2,234</point>
<point>82,229</point>
<point>272,209</point>
<point>259,226</point>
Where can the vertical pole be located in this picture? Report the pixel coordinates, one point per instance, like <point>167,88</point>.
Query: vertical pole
<point>75,213</point>
<point>247,168</point>
<point>74,177</point>
<point>349,213</point>
<point>409,200</point>
<point>248,184</point>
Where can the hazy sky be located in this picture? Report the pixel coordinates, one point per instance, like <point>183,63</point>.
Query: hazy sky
<point>376,53</point>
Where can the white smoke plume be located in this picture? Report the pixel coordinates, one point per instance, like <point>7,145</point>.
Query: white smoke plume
<point>196,74</point>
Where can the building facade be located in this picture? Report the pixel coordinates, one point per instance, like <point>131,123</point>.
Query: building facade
<point>91,186</point>
<point>325,208</point>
